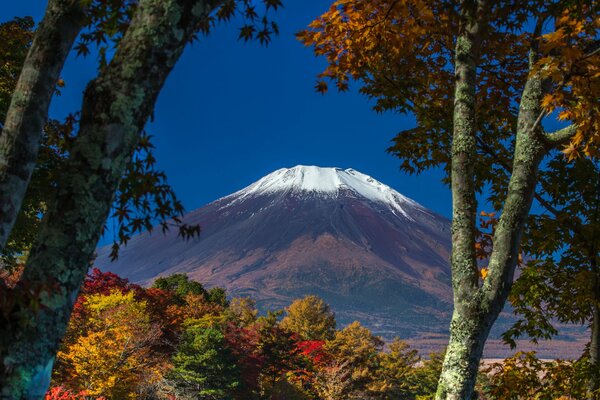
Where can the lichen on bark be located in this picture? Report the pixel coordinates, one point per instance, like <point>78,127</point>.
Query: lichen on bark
<point>22,131</point>
<point>476,306</point>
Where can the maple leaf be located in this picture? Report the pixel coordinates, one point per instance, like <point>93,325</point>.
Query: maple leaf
<point>247,32</point>
<point>571,152</point>
<point>321,87</point>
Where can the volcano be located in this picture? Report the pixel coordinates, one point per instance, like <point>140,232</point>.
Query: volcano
<point>373,254</point>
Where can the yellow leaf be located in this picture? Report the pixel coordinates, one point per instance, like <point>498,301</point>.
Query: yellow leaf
<point>571,152</point>
<point>483,272</point>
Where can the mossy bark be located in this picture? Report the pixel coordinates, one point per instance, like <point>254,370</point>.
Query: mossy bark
<point>22,131</point>
<point>465,345</point>
<point>476,307</point>
<point>115,108</point>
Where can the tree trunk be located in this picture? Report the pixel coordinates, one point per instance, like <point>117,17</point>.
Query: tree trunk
<point>457,379</point>
<point>594,378</point>
<point>116,107</point>
<point>28,111</point>
<point>476,307</point>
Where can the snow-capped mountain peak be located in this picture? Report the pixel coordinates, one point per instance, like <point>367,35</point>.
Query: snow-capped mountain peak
<point>337,233</point>
<point>327,182</point>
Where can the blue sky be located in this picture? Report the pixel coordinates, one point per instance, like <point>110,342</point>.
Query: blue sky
<point>231,113</point>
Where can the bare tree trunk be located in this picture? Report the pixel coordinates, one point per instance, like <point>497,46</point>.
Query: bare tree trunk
<point>22,131</point>
<point>465,346</point>
<point>116,106</point>
<point>476,307</point>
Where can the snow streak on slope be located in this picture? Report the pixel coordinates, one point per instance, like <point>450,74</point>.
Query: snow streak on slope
<point>327,182</point>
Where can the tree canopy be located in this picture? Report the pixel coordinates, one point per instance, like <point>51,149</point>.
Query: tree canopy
<point>311,318</point>
<point>482,80</point>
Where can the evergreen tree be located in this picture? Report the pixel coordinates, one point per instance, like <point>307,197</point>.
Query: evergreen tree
<point>204,368</point>
<point>218,296</point>
<point>180,285</point>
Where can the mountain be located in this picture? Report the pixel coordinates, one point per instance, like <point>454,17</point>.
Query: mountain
<point>373,254</point>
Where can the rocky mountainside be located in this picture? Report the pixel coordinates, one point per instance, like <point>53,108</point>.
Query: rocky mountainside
<point>371,253</point>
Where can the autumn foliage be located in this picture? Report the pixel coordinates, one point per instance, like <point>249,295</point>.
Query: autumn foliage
<point>176,341</point>
<point>126,341</point>
<point>401,54</point>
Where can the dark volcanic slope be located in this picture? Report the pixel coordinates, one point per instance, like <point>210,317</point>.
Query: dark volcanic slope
<point>371,253</point>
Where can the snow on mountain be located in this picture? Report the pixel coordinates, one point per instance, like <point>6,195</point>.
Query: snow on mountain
<point>327,182</point>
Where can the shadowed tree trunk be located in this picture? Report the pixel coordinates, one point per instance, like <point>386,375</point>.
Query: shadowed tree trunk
<point>22,131</point>
<point>594,379</point>
<point>115,108</point>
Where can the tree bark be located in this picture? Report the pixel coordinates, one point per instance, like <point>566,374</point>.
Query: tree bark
<point>28,111</point>
<point>594,256</point>
<point>115,108</point>
<point>594,378</point>
<point>465,346</point>
<point>477,308</point>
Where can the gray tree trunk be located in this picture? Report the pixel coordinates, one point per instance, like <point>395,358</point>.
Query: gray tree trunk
<point>28,111</point>
<point>115,108</point>
<point>476,306</point>
<point>594,379</point>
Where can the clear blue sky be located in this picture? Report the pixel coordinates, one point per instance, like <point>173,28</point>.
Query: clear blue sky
<point>231,113</point>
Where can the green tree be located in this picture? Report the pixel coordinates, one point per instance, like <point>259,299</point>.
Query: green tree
<point>524,376</point>
<point>217,295</point>
<point>278,352</point>
<point>203,367</point>
<point>479,77</point>
<point>311,318</point>
<point>16,36</point>
<point>180,285</point>
<point>428,375</point>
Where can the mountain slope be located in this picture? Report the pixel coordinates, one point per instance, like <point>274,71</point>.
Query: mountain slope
<point>370,252</point>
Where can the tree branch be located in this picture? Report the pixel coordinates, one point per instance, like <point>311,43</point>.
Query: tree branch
<point>530,149</point>
<point>561,136</point>
<point>570,222</point>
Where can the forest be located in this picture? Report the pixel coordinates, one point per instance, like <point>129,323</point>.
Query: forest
<point>177,340</point>
<point>504,97</point>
